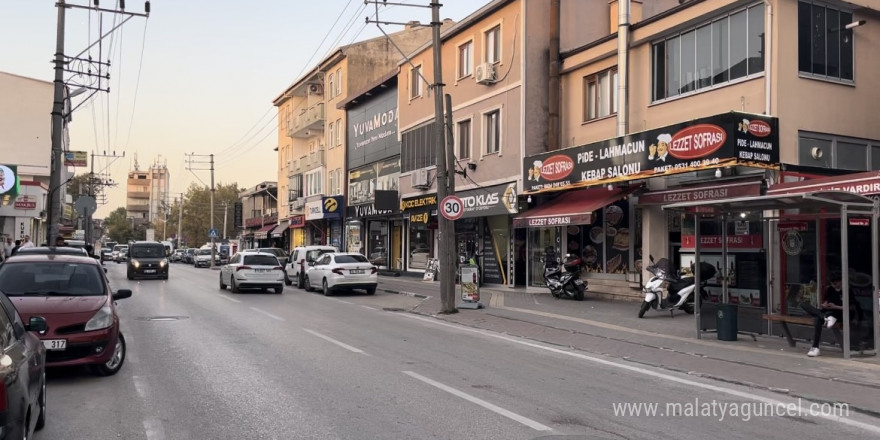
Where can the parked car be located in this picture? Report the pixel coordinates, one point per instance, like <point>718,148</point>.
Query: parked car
<point>120,252</point>
<point>23,379</point>
<point>203,258</point>
<point>106,254</point>
<point>299,263</point>
<point>177,256</point>
<point>72,293</point>
<point>342,271</point>
<point>147,259</point>
<point>252,269</point>
<point>279,253</point>
<point>44,250</point>
<point>189,257</point>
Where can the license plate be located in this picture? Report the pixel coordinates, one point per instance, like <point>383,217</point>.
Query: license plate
<point>55,344</point>
<point>356,271</point>
<point>261,270</point>
<point>150,271</point>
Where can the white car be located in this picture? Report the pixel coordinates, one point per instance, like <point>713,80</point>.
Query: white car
<point>252,270</point>
<point>202,258</point>
<point>299,260</point>
<point>342,271</point>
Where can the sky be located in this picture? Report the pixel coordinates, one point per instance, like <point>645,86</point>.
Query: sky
<point>197,76</point>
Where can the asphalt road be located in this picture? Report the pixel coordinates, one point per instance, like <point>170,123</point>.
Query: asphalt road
<point>208,364</point>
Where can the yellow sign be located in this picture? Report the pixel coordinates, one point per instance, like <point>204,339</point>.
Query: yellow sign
<point>330,205</point>
<point>419,218</point>
<point>76,158</point>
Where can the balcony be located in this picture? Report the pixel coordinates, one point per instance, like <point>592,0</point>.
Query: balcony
<point>308,123</point>
<point>293,167</point>
<point>313,160</point>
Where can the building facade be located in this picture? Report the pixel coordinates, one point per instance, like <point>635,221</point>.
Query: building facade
<point>147,193</point>
<point>261,224</point>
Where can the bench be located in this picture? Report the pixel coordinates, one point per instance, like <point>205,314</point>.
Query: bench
<point>801,320</point>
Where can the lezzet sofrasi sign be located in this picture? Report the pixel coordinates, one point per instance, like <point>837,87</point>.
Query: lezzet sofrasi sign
<point>717,141</point>
<point>8,180</point>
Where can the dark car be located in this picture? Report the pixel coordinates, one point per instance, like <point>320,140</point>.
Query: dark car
<point>23,379</point>
<point>279,253</point>
<point>189,257</point>
<point>73,295</point>
<point>147,259</point>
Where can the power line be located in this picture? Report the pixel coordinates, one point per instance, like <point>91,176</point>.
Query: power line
<point>137,84</point>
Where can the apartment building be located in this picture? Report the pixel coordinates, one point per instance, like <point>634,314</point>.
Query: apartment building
<point>147,193</point>
<point>312,130</point>
<point>704,100</point>
<point>261,225</point>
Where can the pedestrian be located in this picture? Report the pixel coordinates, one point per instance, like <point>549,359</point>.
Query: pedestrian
<point>27,243</point>
<point>16,247</point>
<point>830,311</point>
<point>7,247</point>
<point>59,241</point>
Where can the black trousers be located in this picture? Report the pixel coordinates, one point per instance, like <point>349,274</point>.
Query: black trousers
<point>819,320</point>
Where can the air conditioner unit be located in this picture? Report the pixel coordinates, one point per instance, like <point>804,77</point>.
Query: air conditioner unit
<point>316,89</point>
<point>485,74</point>
<point>420,179</point>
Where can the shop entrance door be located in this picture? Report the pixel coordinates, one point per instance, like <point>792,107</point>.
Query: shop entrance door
<point>397,245</point>
<point>544,245</point>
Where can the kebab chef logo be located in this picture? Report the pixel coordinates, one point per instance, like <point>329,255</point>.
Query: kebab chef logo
<point>555,167</point>
<point>756,128</point>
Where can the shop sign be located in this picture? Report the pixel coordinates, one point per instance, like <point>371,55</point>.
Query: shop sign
<point>419,202</point>
<point>739,242</point>
<point>859,222</point>
<point>25,202</point>
<point>315,210</point>
<point>715,192</point>
<point>792,226</point>
<point>367,210</point>
<point>490,200</point>
<point>253,222</point>
<point>563,220</point>
<point>728,139</point>
<point>297,221</point>
<point>421,217</point>
<point>76,158</point>
<point>326,207</point>
<point>9,180</point>
<point>372,129</point>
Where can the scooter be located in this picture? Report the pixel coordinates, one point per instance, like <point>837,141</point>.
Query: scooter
<point>565,281</point>
<point>680,289</point>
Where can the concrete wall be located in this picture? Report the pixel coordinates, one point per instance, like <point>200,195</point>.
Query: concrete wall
<point>26,124</point>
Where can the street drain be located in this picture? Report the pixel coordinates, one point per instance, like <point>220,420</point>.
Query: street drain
<point>393,309</point>
<point>161,318</point>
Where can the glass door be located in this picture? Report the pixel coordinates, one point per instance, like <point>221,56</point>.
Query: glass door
<point>544,245</point>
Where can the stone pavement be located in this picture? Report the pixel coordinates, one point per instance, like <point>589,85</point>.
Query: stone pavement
<point>612,328</point>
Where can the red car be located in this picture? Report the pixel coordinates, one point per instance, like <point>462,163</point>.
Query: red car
<point>72,294</point>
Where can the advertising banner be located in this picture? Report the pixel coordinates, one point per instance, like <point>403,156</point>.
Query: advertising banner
<point>76,158</point>
<point>372,129</point>
<point>8,180</point>
<point>419,209</point>
<point>728,139</point>
<point>489,200</point>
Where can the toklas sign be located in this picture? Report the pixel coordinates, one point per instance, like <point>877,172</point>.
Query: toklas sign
<point>717,141</point>
<point>490,200</point>
<point>372,129</point>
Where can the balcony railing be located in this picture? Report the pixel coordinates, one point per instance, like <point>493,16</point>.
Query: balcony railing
<point>316,159</point>
<point>306,123</point>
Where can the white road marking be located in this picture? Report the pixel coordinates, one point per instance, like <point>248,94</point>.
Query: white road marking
<point>154,430</point>
<point>476,400</point>
<point>341,344</point>
<point>342,301</point>
<point>535,298</point>
<point>229,299</point>
<point>658,374</point>
<point>268,314</point>
<point>140,386</point>
<point>368,307</point>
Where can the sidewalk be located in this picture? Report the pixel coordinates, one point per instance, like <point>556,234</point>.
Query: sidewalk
<point>612,328</point>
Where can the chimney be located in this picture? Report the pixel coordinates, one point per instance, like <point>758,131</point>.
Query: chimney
<point>412,24</point>
<point>635,13</point>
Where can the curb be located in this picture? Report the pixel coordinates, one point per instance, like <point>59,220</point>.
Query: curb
<point>399,292</point>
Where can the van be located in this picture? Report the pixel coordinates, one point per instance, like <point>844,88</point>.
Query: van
<point>299,262</point>
<point>147,259</point>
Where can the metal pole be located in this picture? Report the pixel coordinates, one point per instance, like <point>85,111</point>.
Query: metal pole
<point>875,273</point>
<point>179,219</point>
<point>446,227</point>
<point>725,292</point>
<point>213,249</point>
<point>698,317</point>
<point>54,209</point>
<point>225,214</point>
<point>844,262</point>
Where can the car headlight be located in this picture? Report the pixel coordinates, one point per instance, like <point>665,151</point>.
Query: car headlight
<point>136,263</point>
<point>163,263</point>
<point>102,319</point>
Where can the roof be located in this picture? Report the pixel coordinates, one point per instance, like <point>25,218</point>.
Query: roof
<point>383,82</point>
<point>36,257</point>
<point>818,202</point>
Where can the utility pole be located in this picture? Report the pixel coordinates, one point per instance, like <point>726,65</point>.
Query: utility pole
<point>96,185</point>
<point>225,213</point>
<point>210,162</point>
<point>179,219</point>
<point>445,172</point>
<point>94,72</point>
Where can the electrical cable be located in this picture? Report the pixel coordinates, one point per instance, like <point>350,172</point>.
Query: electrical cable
<point>137,85</point>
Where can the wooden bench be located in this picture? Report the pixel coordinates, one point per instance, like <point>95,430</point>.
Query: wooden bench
<point>801,320</point>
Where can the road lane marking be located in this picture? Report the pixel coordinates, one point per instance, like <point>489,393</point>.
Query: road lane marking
<point>369,307</point>
<point>140,386</point>
<point>341,344</point>
<point>340,300</point>
<point>658,374</point>
<point>154,429</point>
<point>268,314</point>
<point>229,299</point>
<point>476,400</point>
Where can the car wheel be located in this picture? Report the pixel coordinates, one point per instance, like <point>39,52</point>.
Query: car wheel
<point>287,279</point>
<point>235,288</point>
<point>307,283</point>
<point>279,289</point>
<point>130,276</point>
<point>41,420</point>
<point>165,277</point>
<point>222,285</point>
<point>325,287</point>
<point>371,290</point>
<point>113,366</point>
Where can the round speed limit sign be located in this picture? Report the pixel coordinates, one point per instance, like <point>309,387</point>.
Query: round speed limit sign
<point>452,207</point>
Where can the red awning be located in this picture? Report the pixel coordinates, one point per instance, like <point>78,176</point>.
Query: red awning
<point>571,208</point>
<point>702,192</point>
<point>867,183</point>
<point>266,228</point>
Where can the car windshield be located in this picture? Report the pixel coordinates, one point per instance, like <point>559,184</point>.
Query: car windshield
<point>276,251</point>
<point>313,255</point>
<point>52,278</point>
<point>260,260</point>
<point>147,252</point>
<point>204,252</point>
<point>351,259</point>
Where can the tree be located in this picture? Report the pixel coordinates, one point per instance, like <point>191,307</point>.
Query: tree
<point>118,226</point>
<point>197,213</point>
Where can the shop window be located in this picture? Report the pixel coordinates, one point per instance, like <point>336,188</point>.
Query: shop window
<point>851,156</point>
<point>825,46</point>
<point>377,243</point>
<point>466,59</point>
<point>421,246</point>
<point>710,54</point>
<point>600,99</point>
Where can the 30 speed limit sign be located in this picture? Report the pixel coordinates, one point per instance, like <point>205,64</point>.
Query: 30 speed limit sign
<point>452,207</point>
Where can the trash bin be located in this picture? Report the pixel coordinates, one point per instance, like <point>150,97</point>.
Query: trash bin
<point>726,322</point>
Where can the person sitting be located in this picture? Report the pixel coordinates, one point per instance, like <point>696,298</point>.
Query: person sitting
<point>830,313</point>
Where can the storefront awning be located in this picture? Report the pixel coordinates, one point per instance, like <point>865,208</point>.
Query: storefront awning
<point>571,208</point>
<point>263,232</point>
<point>859,183</point>
<point>278,231</point>
<point>702,192</point>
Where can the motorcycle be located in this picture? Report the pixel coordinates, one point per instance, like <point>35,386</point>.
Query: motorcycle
<point>565,282</point>
<point>679,289</point>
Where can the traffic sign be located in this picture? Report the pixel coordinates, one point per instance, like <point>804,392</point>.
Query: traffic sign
<point>213,233</point>
<point>452,207</point>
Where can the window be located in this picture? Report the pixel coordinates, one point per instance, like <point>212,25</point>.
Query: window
<point>838,152</point>
<point>600,95</point>
<point>493,45</point>
<point>825,46</point>
<point>332,87</point>
<point>338,132</point>
<point>415,82</point>
<point>295,187</point>
<point>463,137</point>
<point>332,132</point>
<point>314,181</point>
<point>466,59</point>
<point>338,81</point>
<point>418,148</point>
<point>724,50</point>
<point>493,131</point>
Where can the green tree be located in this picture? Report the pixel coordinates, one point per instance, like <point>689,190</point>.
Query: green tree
<point>197,213</point>
<point>118,226</point>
